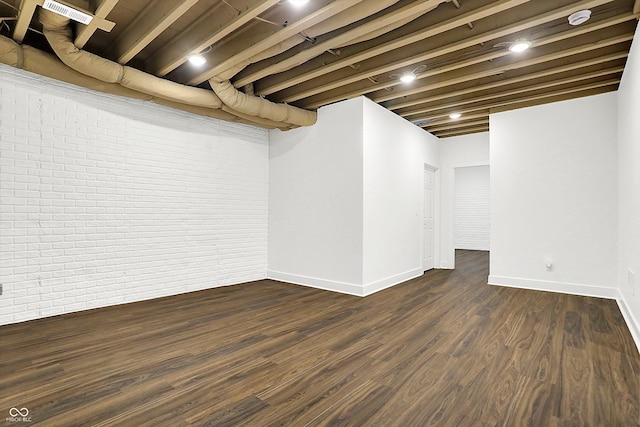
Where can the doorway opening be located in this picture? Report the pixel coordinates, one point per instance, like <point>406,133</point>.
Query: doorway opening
<point>471,208</point>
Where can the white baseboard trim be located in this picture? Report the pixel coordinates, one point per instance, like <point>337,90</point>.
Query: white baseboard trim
<point>565,288</point>
<point>314,282</point>
<point>379,285</point>
<point>342,287</point>
<point>632,323</point>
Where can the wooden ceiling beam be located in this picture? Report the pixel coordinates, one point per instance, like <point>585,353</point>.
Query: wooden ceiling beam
<point>84,32</point>
<point>486,70</point>
<point>27,9</point>
<point>293,78</point>
<point>236,51</point>
<point>457,124</point>
<point>504,82</point>
<point>341,39</point>
<point>468,116</point>
<point>552,98</point>
<point>582,30</point>
<point>147,25</point>
<point>454,132</point>
<point>385,67</point>
<point>526,63</point>
<point>545,85</point>
<point>208,30</point>
<point>441,117</point>
<point>636,7</point>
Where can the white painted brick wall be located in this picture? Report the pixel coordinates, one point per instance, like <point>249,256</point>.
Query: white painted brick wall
<point>472,208</point>
<point>106,200</point>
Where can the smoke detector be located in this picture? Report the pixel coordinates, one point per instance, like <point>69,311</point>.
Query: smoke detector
<point>66,11</point>
<point>579,17</point>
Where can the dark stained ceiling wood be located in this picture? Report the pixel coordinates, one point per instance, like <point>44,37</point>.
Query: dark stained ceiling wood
<point>459,50</point>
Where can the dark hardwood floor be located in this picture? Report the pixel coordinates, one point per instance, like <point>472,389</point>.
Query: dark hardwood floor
<point>444,349</point>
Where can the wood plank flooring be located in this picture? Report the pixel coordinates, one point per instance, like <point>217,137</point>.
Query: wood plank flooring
<point>444,349</point>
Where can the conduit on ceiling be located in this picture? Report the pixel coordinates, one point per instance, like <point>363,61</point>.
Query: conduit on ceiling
<point>224,101</point>
<point>58,33</point>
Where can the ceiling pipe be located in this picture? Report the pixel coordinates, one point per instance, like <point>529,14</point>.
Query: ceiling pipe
<point>58,34</point>
<point>36,61</point>
<point>254,106</point>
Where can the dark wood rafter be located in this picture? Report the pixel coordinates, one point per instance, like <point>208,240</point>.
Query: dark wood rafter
<point>383,65</point>
<point>156,17</point>
<point>458,48</point>
<point>84,32</point>
<point>207,31</point>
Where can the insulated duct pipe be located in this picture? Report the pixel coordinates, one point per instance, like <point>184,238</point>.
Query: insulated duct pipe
<point>36,61</point>
<point>58,34</point>
<point>255,106</point>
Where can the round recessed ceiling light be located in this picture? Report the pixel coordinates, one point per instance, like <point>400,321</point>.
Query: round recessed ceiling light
<point>579,17</point>
<point>455,116</point>
<point>520,45</point>
<point>407,77</point>
<point>298,2</point>
<point>197,60</point>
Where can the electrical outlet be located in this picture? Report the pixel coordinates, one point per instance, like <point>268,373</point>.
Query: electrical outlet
<point>631,281</point>
<point>548,264</point>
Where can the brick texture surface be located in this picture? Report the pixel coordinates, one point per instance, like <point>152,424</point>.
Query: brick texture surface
<point>106,200</point>
<point>472,208</point>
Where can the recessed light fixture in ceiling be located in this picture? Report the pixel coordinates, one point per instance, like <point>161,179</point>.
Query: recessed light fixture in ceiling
<point>455,116</point>
<point>520,45</point>
<point>579,17</point>
<point>407,77</point>
<point>197,60</point>
<point>298,2</point>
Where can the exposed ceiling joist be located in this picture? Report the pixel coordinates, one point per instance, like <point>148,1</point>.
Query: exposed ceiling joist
<point>532,88</point>
<point>437,118</point>
<point>489,69</point>
<point>328,50</point>
<point>340,39</point>
<point>386,67</point>
<point>206,31</point>
<point>473,129</point>
<point>516,104</point>
<point>237,51</point>
<point>479,115</point>
<point>156,17</point>
<point>84,32</point>
<point>525,63</point>
<point>458,124</point>
<point>27,9</point>
<point>292,78</point>
<point>505,82</point>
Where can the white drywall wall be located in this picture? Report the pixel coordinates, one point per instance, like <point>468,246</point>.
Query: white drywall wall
<point>107,200</point>
<point>471,225</point>
<point>395,152</point>
<point>457,152</point>
<point>554,186</point>
<point>629,187</point>
<point>345,201</point>
<point>315,201</point>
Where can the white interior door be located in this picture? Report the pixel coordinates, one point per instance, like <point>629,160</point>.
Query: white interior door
<point>428,221</point>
